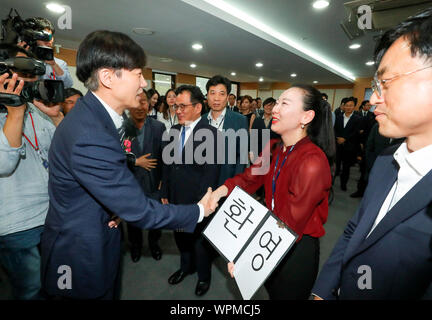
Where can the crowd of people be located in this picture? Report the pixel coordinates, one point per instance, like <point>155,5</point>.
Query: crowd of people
<point>71,175</point>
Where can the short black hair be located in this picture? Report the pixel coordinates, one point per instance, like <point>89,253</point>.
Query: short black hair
<point>232,94</point>
<point>196,95</point>
<point>323,94</point>
<point>258,98</point>
<point>107,49</point>
<point>269,100</point>
<point>41,24</point>
<point>344,100</point>
<point>214,81</point>
<point>351,99</point>
<point>416,29</point>
<point>363,104</point>
<point>69,92</point>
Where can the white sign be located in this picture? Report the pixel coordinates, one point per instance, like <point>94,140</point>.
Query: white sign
<point>248,234</point>
<point>262,255</point>
<point>235,223</point>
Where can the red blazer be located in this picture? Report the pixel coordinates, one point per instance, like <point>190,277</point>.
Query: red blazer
<point>302,189</point>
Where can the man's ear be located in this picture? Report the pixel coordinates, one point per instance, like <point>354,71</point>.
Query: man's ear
<point>199,107</point>
<point>105,76</point>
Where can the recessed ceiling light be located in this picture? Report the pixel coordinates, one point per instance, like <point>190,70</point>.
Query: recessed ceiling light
<point>193,65</point>
<point>261,79</point>
<point>259,65</point>
<point>315,81</point>
<point>320,4</point>
<point>197,46</point>
<point>370,63</point>
<point>354,46</point>
<point>233,73</point>
<point>293,75</point>
<point>143,31</point>
<point>55,7</point>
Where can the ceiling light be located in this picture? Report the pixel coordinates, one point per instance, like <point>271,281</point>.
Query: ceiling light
<point>197,46</point>
<point>55,7</point>
<point>166,60</point>
<point>143,31</point>
<point>233,73</point>
<point>320,4</point>
<point>287,42</point>
<point>315,81</point>
<point>261,79</point>
<point>370,63</point>
<point>258,65</point>
<point>293,75</point>
<point>193,65</point>
<point>354,46</point>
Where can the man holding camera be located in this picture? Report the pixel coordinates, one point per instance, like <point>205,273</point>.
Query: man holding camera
<point>25,138</point>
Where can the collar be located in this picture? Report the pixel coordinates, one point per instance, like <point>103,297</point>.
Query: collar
<point>193,124</point>
<point>221,116</point>
<point>116,118</point>
<point>349,115</point>
<point>418,160</point>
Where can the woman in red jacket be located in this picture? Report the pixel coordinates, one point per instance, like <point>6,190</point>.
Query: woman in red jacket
<point>297,185</point>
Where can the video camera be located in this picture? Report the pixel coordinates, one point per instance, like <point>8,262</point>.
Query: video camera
<point>48,91</point>
<point>15,29</point>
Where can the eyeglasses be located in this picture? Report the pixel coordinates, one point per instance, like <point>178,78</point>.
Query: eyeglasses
<point>377,83</point>
<point>182,106</point>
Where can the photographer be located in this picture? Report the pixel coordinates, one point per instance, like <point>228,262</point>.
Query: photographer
<point>56,69</point>
<point>25,137</point>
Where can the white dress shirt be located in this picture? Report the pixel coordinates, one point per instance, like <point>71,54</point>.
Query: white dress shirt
<point>412,168</point>
<point>189,130</point>
<point>219,122</point>
<point>346,119</point>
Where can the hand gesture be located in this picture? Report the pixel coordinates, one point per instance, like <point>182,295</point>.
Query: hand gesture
<point>220,192</point>
<point>340,140</point>
<point>230,267</point>
<point>114,222</point>
<point>205,201</point>
<point>146,162</point>
<point>52,111</point>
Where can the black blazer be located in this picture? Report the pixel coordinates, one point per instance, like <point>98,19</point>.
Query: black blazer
<point>153,131</point>
<point>351,133</point>
<point>184,183</point>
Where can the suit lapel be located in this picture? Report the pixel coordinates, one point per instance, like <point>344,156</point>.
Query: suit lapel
<point>371,205</point>
<point>418,198</point>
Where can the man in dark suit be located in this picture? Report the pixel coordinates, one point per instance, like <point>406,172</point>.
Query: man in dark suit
<point>347,127</point>
<point>145,134</point>
<point>367,122</point>
<point>385,251</point>
<point>89,181</point>
<point>232,103</point>
<point>186,181</point>
<point>223,119</point>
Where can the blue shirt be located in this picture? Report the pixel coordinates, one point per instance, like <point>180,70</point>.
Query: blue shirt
<point>66,77</point>
<point>23,178</point>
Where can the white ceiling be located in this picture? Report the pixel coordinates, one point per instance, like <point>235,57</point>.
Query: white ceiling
<point>229,44</point>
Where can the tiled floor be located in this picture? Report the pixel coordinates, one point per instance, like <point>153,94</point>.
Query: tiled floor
<point>147,279</point>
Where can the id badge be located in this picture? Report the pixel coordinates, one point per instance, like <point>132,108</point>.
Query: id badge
<point>43,160</point>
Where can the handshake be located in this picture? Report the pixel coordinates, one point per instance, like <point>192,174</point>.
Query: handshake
<point>211,199</point>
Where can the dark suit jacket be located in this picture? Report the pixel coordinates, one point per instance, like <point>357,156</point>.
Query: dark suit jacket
<point>351,133</point>
<point>187,183</point>
<point>368,122</point>
<point>153,131</point>
<point>89,182</point>
<point>235,121</point>
<point>398,251</point>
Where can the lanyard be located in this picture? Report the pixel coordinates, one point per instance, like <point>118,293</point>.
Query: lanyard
<point>172,121</point>
<point>220,123</point>
<point>276,175</point>
<point>36,145</point>
<point>53,75</point>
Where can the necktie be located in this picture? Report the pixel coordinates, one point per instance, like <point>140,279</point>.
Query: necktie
<point>183,137</point>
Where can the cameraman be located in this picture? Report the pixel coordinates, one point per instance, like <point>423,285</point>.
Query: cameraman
<point>25,137</point>
<point>56,69</point>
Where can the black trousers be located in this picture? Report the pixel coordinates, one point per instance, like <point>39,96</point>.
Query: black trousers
<point>295,276</point>
<point>135,236</point>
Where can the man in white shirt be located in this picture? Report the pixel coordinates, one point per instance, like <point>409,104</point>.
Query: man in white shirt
<point>385,251</point>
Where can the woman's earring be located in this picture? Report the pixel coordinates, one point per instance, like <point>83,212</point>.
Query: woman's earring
<point>302,126</point>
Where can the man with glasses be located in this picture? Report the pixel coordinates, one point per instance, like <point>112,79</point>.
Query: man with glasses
<point>385,251</point>
<point>184,181</point>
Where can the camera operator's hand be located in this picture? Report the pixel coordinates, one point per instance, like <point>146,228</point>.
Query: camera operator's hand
<point>9,86</point>
<point>13,126</point>
<point>23,45</point>
<point>51,111</point>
